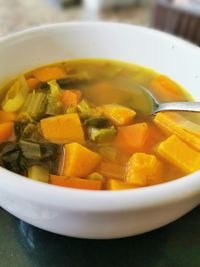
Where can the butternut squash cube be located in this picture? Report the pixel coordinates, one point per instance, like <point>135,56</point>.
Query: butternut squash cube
<point>143,170</point>
<point>119,115</point>
<point>180,154</point>
<point>79,161</point>
<point>132,138</point>
<point>173,123</point>
<point>63,129</point>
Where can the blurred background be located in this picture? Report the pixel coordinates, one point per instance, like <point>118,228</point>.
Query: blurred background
<point>179,17</point>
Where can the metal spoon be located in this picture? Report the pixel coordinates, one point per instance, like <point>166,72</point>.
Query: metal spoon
<point>170,106</point>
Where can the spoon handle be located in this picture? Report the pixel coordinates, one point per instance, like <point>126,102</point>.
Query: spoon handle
<point>181,106</point>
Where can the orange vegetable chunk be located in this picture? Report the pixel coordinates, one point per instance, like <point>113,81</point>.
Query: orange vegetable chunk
<point>79,161</point>
<point>113,184</point>
<point>180,154</point>
<point>47,74</point>
<point>119,115</point>
<point>33,83</point>
<point>7,116</point>
<point>70,97</point>
<point>63,129</point>
<point>6,131</point>
<point>78,183</point>
<point>173,123</point>
<point>132,138</point>
<point>112,170</point>
<point>143,170</point>
<point>166,90</point>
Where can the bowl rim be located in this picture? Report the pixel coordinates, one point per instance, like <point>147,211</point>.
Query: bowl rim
<point>97,201</point>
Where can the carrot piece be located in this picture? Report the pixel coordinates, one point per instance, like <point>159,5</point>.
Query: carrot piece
<point>7,116</point>
<point>70,97</point>
<point>63,128</point>
<point>119,115</point>
<point>79,161</point>
<point>49,73</point>
<point>180,154</point>
<point>113,184</point>
<point>132,138</point>
<point>6,131</point>
<point>112,170</point>
<point>144,169</point>
<point>173,123</point>
<point>166,90</point>
<point>33,83</point>
<point>76,182</point>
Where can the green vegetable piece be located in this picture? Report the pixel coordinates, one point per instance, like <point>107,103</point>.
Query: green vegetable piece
<point>85,110</point>
<point>34,107</point>
<point>101,135</point>
<point>31,132</point>
<point>16,95</point>
<point>71,110</point>
<point>98,122</point>
<point>30,150</point>
<point>11,157</point>
<point>96,176</point>
<point>54,106</point>
<point>38,173</point>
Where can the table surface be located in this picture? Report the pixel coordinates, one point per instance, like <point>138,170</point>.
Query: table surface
<point>175,245</point>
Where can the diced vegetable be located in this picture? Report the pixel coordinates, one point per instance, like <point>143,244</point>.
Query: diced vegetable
<point>49,73</point>
<point>30,150</point>
<point>70,98</point>
<point>70,110</point>
<point>98,122</point>
<point>173,123</point>
<point>7,116</point>
<point>96,176</point>
<point>16,95</point>
<point>143,170</point>
<point>30,132</point>
<point>180,154</point>
<point>77,183</point>
<point>6,131</point>
<point>84,109</point>
<point>166,90</point>
<point>34,106</point>
<point>119,115</point>
<point>54,105</point>
<point>38,173</point>
<point>111,170</point>
<point>101,135</point>
<point>113,184</point>
<point>11,157</point>
<point>132,138</point>
<point>33,83</point>
<point>79,161</point>
<point>63,129</point>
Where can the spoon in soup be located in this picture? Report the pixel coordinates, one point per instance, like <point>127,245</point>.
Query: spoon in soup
<point>169,106</point>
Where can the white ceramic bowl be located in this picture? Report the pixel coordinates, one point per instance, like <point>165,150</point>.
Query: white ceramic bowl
<point>92,214</point>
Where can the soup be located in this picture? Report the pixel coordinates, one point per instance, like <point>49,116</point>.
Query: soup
<point>87,124</point>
